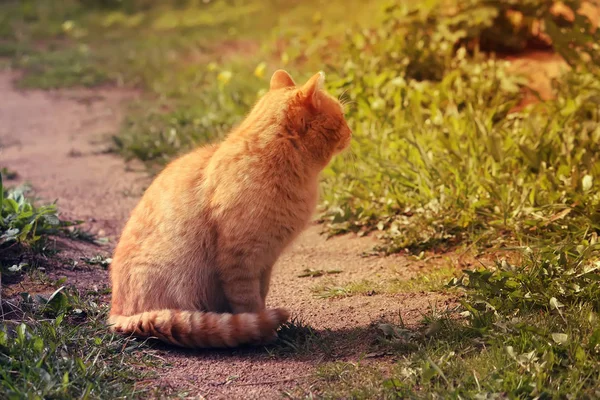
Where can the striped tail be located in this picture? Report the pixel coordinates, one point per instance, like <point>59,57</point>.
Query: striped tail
<point>197,329</point>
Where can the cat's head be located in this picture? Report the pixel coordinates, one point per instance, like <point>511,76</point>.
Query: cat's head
<point>312,119</point>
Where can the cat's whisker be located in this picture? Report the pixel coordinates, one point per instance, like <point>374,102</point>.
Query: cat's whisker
<point>350,158</point>
<point>342,95</point>
<point>353,158</point>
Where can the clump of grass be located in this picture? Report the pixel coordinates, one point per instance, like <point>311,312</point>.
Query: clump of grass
<point>350,380</point>
<point>20,221</point>
<point>62,349</point>
<point>432,281</point>
<point>61,68</point>
<point>203,113</point>
<point>328,290</point>
<point>25,228</point>
<point>439,158</point>
<point>98,259</point>
<point>295,336</point>
<point>550,280</point>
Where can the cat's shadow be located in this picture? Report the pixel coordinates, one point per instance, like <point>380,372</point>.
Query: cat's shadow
<point>293,343</point>
<point>302,343</point>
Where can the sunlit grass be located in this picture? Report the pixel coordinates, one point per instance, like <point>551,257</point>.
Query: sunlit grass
<point>434,280</point>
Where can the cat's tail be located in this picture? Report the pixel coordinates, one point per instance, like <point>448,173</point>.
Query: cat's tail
<point>197,329</point>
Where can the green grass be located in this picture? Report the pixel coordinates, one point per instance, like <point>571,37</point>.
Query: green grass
<point>61,349</point>
<point>62,68</point>
<point>433,281</point>
<point>295,337</point>
<point>351,380</point>
<point>22,223</point>
<point>26,227</point>
<point>330,290</point>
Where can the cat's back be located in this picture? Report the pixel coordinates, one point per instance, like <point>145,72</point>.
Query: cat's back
<point>183,174</point>
<point>173,199</point>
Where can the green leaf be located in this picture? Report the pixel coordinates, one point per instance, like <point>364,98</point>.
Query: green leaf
<point>65,381</point>
<point>554,303</point>
<point>51,219</point>
<point>580,355</point>
<point>58,302</point>
<point>560,338</point>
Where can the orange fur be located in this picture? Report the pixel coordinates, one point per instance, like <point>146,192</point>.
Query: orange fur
<point>194,261</point>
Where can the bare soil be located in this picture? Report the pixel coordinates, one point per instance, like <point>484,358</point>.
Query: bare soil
<point>56,141</point>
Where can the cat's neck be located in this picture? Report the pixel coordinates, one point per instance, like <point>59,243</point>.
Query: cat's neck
<point>276,155</point>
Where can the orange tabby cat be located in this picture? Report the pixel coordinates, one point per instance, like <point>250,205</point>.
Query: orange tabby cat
<point>194,261</point>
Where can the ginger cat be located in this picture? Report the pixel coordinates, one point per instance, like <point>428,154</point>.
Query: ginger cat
<point>194,261</point>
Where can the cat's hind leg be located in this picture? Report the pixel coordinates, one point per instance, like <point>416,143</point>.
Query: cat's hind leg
<point>243,293</point>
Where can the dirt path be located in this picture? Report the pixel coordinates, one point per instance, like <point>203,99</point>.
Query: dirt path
<point>54,141</point>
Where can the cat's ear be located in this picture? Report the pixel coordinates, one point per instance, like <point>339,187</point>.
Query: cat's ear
<point>311,88</point>
<point>281,79</point>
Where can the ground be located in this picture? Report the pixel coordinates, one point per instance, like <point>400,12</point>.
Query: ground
<point>57,142</point>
